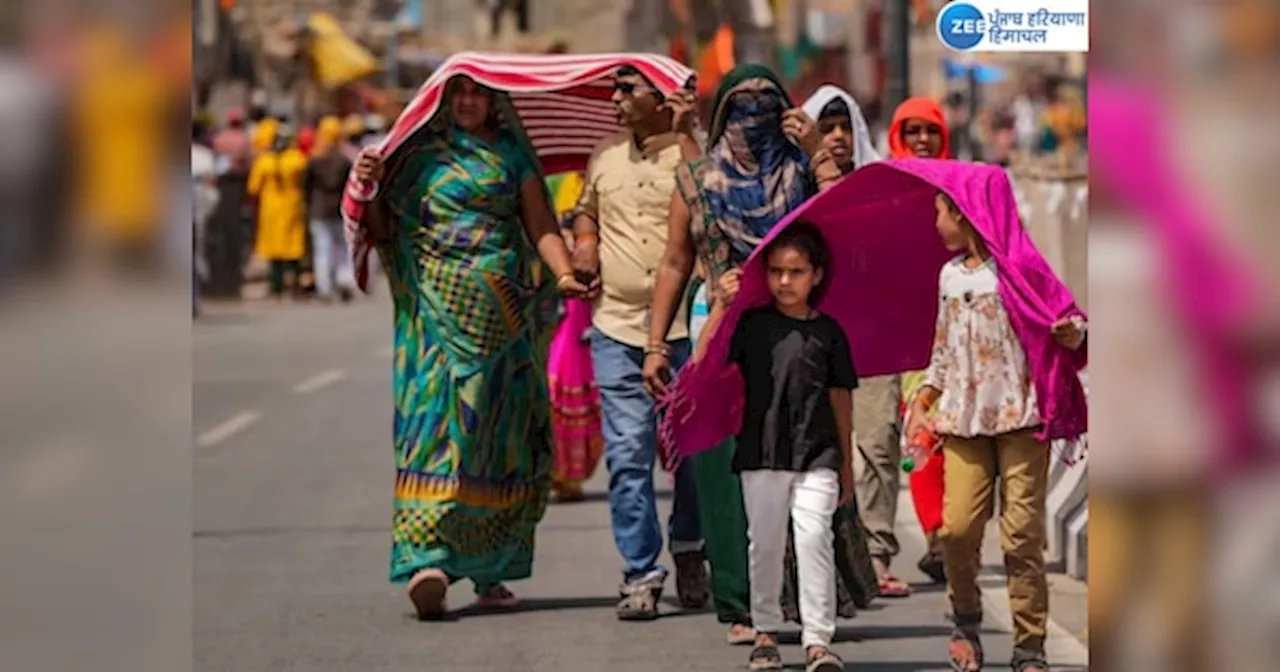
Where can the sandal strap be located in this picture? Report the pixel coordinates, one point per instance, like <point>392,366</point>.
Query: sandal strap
<point>1027,660</point>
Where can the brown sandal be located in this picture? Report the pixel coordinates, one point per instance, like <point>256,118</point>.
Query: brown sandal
<point>427,591</point>
<point>741,634</point>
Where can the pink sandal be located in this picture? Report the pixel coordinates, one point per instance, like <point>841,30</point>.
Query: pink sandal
<point>427,591</point>
<point>892,586</point>
<point>497,597</point>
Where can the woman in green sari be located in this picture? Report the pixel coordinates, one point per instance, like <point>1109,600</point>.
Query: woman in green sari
<point>474,259</point>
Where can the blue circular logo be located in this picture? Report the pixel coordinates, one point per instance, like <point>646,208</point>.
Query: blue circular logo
<point>961,26</point>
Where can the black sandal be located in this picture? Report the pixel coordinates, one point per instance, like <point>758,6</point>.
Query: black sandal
<point>821,659</point>
<point>974,659</point>
<point>1025,661</point>
<point>765,657</point>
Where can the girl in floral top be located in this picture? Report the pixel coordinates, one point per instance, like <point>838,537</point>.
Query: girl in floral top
<point>984,398</point>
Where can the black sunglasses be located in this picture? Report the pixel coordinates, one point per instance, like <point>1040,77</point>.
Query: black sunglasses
<point>628,88</point>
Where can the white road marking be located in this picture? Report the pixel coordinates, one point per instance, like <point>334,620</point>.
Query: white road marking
<point>319,381</point>
<point>227,429</point>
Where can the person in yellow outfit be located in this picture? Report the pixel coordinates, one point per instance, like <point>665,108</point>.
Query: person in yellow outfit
<point>120,108</point>
<point>276,180</point>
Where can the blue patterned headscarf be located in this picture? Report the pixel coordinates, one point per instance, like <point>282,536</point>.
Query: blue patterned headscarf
<point>755,174</point>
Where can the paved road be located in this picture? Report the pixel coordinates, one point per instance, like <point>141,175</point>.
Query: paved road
<point>292,497</point>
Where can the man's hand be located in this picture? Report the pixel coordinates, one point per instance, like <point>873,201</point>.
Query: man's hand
<point>799,127</point>
<point>586,257</point>
<point>657,371</point>
<point>683,106</point>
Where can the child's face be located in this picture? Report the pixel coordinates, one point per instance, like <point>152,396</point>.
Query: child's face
<point>952,230</point>
<point>837,138</point>
<point>791,277</point>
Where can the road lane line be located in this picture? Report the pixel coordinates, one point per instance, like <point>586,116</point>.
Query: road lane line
<point>227,429</point>
<point>319,381</point>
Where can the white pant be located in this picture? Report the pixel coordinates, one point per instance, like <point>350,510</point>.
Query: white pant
<point>808,501</point>
<point>329,249</point>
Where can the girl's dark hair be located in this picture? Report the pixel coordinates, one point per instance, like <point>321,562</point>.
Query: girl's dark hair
<point>835,108</point>
<point>955,209</point>
<point>807,239</point>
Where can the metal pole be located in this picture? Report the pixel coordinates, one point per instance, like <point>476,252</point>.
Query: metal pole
<point>971,144</point>
<point>897,19</point>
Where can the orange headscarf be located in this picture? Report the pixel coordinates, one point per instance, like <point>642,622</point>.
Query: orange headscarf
<point>917,108</point>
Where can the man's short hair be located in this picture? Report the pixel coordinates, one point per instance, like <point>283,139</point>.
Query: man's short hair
<point>629,70</point>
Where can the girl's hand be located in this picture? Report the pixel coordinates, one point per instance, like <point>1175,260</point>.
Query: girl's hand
<point>657,370</point>
<point>846,484</point>
<point>799,127</point>
<point>1069,332</point>
<point>730,283</point>
<point>369,166</point>
<point>916,423</point>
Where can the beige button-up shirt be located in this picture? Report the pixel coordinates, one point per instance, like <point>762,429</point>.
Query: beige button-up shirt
<point>628,194</point>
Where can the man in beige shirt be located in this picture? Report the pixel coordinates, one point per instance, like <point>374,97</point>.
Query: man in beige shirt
<point>620,232</point>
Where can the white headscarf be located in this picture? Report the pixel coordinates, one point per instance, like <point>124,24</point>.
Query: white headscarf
<point>864,150</point>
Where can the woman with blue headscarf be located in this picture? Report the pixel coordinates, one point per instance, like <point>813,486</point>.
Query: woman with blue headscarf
<point>764,158</point>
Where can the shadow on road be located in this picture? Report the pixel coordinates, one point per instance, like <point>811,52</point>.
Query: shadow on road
<point>537,604</point>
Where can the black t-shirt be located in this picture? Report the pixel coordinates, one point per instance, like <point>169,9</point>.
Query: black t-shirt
<point>789,366</point>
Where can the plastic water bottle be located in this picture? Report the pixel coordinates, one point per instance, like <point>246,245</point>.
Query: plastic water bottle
<point>917,448</point>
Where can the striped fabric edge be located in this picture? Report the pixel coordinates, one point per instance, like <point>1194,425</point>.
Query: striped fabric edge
<point>546,90</point>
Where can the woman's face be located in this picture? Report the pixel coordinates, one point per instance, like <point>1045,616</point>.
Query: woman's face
<point>469,103</point>
<point>923,137</point>
<point>837,138</point>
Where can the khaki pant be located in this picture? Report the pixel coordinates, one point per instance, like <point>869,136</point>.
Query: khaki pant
<point>972,466</point>
<point>876,423</point>
<point>1144,546</point>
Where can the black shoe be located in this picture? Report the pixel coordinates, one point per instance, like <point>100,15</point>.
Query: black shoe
<point>692,584</point>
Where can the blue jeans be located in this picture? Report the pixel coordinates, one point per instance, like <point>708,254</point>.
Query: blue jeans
<point>631,449</point>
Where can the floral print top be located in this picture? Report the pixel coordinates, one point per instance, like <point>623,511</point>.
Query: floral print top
<point>978,362</point>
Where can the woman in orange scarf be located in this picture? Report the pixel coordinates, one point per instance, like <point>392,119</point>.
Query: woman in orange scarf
<point>919,130</point>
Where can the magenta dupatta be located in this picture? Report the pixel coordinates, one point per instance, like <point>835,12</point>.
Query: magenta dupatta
<point>885,259</point>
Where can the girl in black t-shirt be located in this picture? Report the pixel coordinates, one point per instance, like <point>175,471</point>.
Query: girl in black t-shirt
<point>795,452</point>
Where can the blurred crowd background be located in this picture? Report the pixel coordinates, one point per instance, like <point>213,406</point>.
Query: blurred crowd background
<point>287,65</point>
<point>96,248</point>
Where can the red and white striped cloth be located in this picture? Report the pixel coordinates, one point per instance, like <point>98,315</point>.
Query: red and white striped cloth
<point>564,103</point>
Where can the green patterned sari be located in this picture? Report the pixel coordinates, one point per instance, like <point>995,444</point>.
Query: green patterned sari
<point>474,317</point>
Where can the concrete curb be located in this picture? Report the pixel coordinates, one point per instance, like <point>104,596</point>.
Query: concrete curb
<point>1068,507</point>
